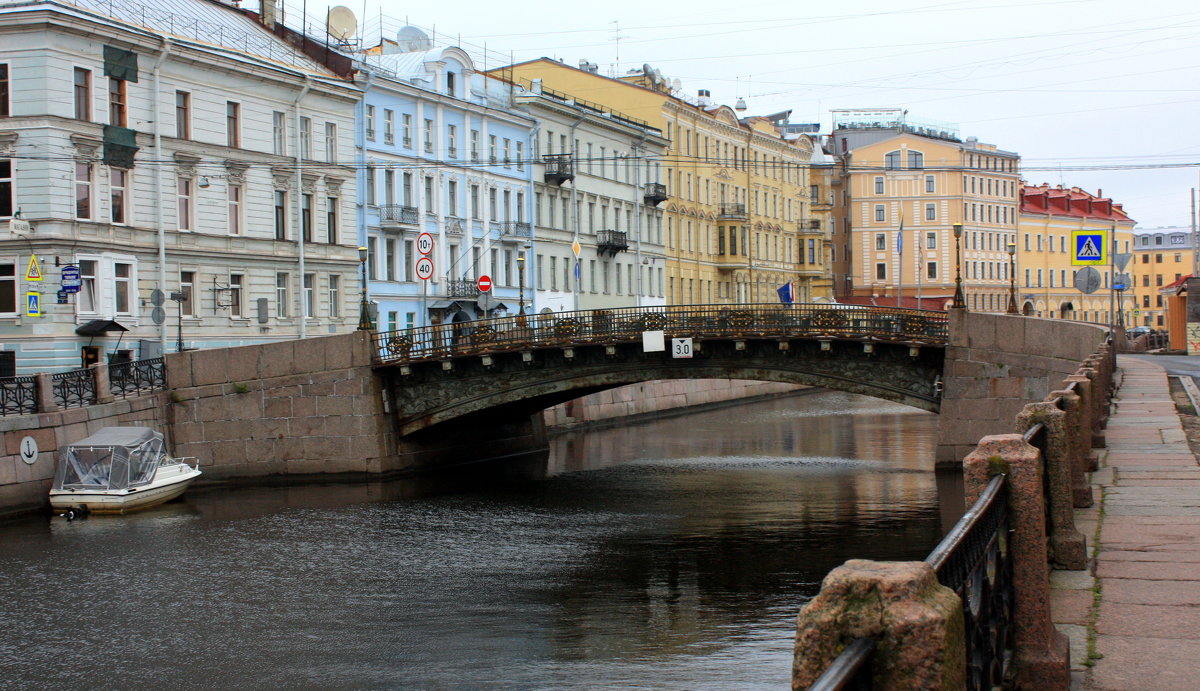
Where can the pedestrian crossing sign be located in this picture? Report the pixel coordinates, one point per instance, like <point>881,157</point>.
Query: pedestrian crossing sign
<point>1091,247</point>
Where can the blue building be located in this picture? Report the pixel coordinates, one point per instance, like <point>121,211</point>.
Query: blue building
<point>441,151</point>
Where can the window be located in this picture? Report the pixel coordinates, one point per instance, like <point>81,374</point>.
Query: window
<point>916,159</point>
<point>879,185</point>
<point>474,145</point>
<point>6,188</point>
<point>335,296</point>
<point>879,213</point>
<point>184,206</point>
<point>306,217</point>
<point>407,124</point>
<point>370,191</point>
<point>507,158</point>
<point>931,212</point>
<point>450,83</point>
<point>83,190</point>
<point>931,271</point>
<point>881,271</point>
<point>279,132</point>
<point>122,288</point>
<point>891,160</point>
<point>310,305</point>
<point>475,201</point>
<point>389,126</point>
<point>234,209</point>
<point>4,91</point>
<point>118,206</point>
<point>371,123</point>
<point>931,241</point>
<point>306,138</point>
<point>280,214</point>
<point>235,295</point>
<point>520,155</point>
<point>492,148</point>
<point>86,300</point>
<point>389,259</point>
<point>331,220</point>
<point>187,288</point>
<point>428,139</point>
<point>930,184</point>
<point>183,115</point>
<point>8,288</point>
<point>233,124</point>
<point>281,295</point>
<point>452,141</point>
<point>331,147</point>
<point>117,103</point>
<point>430,207</point>
<point>83,94</point>
<point>452,198</point>
<point>880,241</point>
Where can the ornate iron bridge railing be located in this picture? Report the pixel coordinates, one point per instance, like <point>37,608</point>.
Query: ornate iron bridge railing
<point>975,561</point>
<point>74,388</point>
<point>18,395</point>
<point>625,325</point>
<point>140,376</point>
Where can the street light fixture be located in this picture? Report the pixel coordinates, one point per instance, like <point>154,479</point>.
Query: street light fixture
<point>364,313</point>
<point>1012,278</point>
<point>958,302</point>
<point>521,288</point>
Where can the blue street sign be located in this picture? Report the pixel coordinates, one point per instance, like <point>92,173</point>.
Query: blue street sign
<point>33,304</point>
<point>70,278</point>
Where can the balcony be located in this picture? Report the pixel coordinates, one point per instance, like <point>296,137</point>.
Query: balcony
<point>813,225</point>
<point>516,229</point>
<point>560,168</point>
<point>609,242</point>
<point>732,262</point>
<point>397,214</point>
<point>655,193</point>
<point>732,211</point>
<point>462,288</point>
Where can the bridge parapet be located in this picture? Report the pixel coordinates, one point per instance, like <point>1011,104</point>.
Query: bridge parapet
<point>626,325</point>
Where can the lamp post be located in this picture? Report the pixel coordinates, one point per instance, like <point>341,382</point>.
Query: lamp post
<point>364,313</point>
<point>1012,278</point>
<point>521,289</point>
<point>958,302</point>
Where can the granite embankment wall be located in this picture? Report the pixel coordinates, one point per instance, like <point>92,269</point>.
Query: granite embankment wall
<point>653,398</point>
<point>995,364</point>
<point>24,486</point>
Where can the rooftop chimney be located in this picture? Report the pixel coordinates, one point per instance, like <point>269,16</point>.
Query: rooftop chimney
<point>704,98</point>
<point>268,12</point>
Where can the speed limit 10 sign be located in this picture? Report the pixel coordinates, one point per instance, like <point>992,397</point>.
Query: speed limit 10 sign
<point>424,268</point>
<point>424,243</point>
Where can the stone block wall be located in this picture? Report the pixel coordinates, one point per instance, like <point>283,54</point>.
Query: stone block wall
<point>24,487</point>
<point>653,397</point>
<point>995,364</point>
<point>304,407</point>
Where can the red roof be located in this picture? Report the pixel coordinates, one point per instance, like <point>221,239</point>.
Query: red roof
<point>1175,287</point>
<point>1059,201</point>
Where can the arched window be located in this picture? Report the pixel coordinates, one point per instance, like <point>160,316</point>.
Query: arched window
<point>891,161</point>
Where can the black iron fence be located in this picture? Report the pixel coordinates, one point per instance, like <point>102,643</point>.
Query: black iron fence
<point>78,387</point>
<point>74,388</point>
<point>18,395</point>
<point>625,325</point>
<point>134,378</point>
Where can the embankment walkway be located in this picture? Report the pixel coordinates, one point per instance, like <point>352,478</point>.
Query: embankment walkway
<point>1134,617</point>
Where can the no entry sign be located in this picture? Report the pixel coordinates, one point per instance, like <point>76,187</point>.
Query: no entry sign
<point>485,284</point>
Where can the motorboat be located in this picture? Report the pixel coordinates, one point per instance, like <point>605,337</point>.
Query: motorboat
<point>118,470</point>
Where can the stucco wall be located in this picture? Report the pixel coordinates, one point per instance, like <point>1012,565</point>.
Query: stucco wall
<point>24,487</point>
<point>995,364</point>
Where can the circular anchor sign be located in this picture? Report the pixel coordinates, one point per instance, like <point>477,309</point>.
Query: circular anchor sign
<point>29,450</point>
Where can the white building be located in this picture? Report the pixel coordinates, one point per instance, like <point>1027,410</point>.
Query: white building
<point>598,187</point>
<point>168,152</point>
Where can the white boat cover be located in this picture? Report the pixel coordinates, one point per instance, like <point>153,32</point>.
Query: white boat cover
<point>113,458</point>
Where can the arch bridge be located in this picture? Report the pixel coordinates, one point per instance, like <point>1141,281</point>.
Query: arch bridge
<point>503,370</point>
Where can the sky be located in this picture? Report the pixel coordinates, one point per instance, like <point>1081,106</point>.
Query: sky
<point>1099,94</point>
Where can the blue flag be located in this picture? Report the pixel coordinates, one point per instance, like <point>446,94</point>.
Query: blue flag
<point>785,293</point>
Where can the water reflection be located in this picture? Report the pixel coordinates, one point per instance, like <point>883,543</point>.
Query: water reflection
<point>669,555</point>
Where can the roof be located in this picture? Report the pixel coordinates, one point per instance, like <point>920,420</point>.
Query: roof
<point>1072,201</point>
<point>127,436</point>
<point>98,327</point>
<point>1176,287</point>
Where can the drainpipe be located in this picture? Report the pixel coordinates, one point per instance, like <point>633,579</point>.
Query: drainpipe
<point>575,210</point>
<point>159,221</point>
<point>299,209</point>
<point>637,214</point>
<point>529,254</point>
<point>360,160</point>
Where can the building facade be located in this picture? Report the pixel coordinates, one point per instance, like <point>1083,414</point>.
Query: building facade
<point>443,153</point>
<point>176,192</point>
<point>1045,250</point>
<point>1161,257</point>
<point>900,189</point>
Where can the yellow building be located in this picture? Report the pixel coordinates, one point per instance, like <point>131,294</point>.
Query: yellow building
<point>1161,256</point>
<point>901,188</point>
<point>1045,273</point>
<point>738,215</point>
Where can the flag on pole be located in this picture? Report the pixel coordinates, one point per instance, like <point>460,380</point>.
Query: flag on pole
<point>785,293</point>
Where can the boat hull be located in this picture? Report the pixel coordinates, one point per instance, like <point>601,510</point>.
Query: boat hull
<point>169,482</point>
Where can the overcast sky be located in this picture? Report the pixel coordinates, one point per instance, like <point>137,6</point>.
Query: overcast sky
<point>1100,94</point>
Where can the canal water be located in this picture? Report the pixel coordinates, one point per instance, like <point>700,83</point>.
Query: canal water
<point>668,555</point>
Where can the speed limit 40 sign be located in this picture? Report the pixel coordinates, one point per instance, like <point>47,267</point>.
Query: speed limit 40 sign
<point>424,268</point>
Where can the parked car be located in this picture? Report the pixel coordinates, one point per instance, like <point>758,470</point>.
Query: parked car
<point>1137,331</point>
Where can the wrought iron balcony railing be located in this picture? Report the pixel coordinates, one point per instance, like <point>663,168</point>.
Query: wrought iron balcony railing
<point>462,288</point>
<point>559,168</point>
<point>732,210</point>
<point>655,193</point>
<point>398,213</point>
<point>609,242</point>
<point>519,229</point>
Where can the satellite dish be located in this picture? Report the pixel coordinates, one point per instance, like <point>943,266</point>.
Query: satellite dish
<point>647,70</point>
<point>340,22</point>
<point>410,39</point>
<point>676,85</point>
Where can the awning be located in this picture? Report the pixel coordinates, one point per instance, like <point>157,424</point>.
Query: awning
<point>440,304</point>
<point>98,327</point>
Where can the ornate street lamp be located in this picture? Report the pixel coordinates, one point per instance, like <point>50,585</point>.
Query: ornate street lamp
<point>958,302</point>
<point>364,312</point>
<point>521,288</point>
<point>1012,278</point>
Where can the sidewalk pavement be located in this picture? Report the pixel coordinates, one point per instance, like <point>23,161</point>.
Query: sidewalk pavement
<point>1139,605</point>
